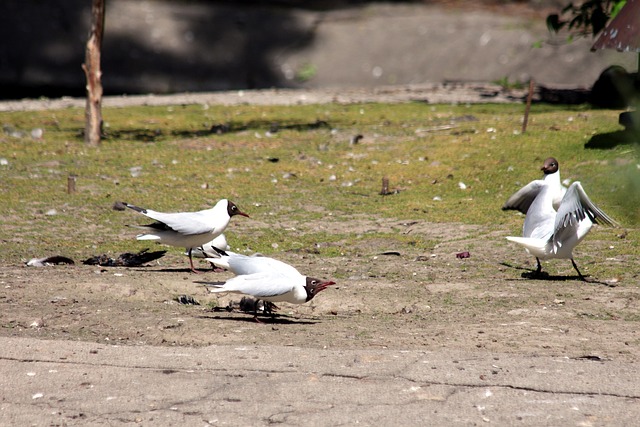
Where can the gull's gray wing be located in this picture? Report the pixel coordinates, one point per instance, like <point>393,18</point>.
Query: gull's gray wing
<point>187,223</point>
<point>521,200</point>
<point>577,206</point>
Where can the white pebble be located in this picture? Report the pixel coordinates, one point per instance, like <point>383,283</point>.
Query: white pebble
<point>37,133</point>
<point>135,171</point>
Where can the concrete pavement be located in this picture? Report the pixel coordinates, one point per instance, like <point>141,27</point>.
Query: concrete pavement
<point>84,383</point>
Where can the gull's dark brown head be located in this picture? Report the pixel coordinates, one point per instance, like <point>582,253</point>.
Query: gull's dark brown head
<point>233,209</point>
<point>550,166</point>
<point>314,286</point>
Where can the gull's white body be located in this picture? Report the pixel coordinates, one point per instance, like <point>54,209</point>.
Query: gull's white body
<point>187,229</point>
<point>261,277</point>
<point>240,264</point>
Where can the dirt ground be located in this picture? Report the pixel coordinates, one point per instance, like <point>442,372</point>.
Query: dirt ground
<point>387,297</point>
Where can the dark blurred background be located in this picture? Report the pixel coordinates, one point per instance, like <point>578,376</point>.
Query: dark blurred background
<point>163,46</point>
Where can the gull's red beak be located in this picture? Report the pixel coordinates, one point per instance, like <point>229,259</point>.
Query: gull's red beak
<point>324,285</point>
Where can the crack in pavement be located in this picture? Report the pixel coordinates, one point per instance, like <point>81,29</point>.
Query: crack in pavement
<point>69,382</point>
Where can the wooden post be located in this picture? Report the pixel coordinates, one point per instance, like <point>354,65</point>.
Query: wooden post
<point>71,184</point>
<point>385,187</point>
<point>525,121</point>
<point>91,67</point>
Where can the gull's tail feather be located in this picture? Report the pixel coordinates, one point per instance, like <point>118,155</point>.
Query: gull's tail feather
<point>213,286</point>
<point>222,262</point>
<point>536,247</point>
<point>216,288</point>
<point>147,237</point>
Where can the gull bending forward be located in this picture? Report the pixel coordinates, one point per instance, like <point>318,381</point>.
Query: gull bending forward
<point>267,279</point>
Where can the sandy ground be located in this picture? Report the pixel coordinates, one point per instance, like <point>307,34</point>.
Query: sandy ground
<point>390,297</point>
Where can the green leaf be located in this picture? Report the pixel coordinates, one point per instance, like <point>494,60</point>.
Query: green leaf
<point>617,7</point>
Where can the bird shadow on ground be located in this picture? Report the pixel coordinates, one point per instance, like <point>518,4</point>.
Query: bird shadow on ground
<point>277,319</point>
<point>531,274</point>
<point>208,282</point>
<point>176,270</point>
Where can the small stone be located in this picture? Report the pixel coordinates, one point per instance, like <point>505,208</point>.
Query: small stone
<point>37,133</point>
<point>135,171</point>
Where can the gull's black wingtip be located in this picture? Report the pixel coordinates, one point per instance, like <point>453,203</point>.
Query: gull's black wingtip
<point>220,251</point>
<point>134,207</point>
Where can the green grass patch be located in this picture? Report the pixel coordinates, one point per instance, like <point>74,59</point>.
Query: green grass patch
<point>447,163</point>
